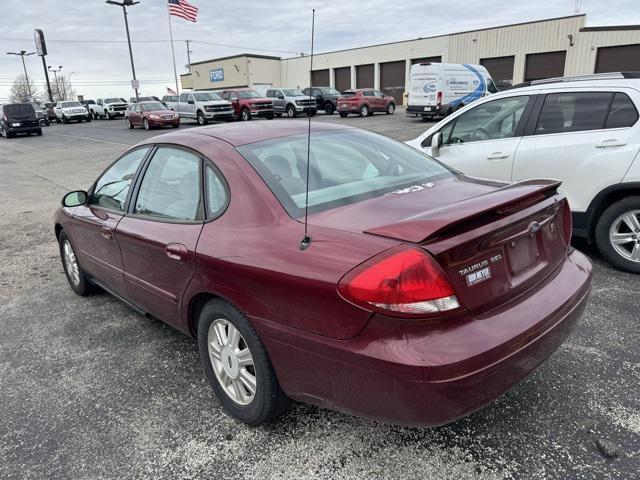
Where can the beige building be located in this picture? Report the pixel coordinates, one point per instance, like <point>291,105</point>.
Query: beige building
<point>512,54</point>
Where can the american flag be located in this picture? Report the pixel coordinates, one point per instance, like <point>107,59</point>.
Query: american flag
<point>183,9</point>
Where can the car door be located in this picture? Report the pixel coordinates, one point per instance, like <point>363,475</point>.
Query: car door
<point>279,102</point>
<point>482,141</point>
<point>381,103</point>
<point>158,236</point>
<point>587,138</point>
<point>94,224</point>
<point>134,114</point>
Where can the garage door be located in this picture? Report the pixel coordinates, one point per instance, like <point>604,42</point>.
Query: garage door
<point>320,78</point>
<point>500,69</point>
<point>364,76</point>
<point>618,59</point>
<point>343,78</point>
<point>392,79</point>
<point>544,65</point>
<point>437,59</point>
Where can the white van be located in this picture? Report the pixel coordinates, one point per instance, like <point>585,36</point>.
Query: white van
<point>438,89</point>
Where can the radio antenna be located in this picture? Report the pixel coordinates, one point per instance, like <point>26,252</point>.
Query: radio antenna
<point>306,240</point>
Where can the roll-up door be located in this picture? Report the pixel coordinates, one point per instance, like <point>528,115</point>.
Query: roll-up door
<point>500,69</point>
<point>618,59</point>
<point>392,76</point>
<point>342,78</point>
<point>365,76</point>
<point>320,78</point>
<point>544,65</point>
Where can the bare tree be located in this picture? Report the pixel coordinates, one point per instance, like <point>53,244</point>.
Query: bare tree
<point>62,89</point>
<point>22,92</point>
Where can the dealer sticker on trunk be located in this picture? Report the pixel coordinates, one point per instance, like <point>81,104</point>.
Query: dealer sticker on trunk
<point>478,276</point>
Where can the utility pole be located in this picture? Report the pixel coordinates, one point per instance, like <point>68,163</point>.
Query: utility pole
<point>124,4</point>
<point>188,55</point>
<point>22,54</point>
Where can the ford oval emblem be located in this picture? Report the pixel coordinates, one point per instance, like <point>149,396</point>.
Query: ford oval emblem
<point>534,227</point>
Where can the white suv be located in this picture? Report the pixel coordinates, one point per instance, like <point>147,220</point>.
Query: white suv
<point>583,131</point>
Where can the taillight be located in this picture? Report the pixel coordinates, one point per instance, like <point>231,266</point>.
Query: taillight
<point>439,99</point>
<point>403,280</point>
<point>567,222</point>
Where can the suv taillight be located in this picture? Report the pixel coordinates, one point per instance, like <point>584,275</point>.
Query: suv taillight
<point>402,281</point>
<point>439,99</point>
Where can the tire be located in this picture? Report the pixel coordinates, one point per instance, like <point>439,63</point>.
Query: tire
<point>128,124</point>
<point>610,220</point>
<point>245,115</point>
<point>88,119</point>
<point>278,115</point>
<point>107,116</point>
<point>175,126</point>
<point>79,284</point>
<point>343,114</point>
<point>269,116</point>
<point>267,401</point>
<point>94,115</point>
<point>391,108</point>
<point>364,111</point>
<point>290,111</point>
<point>39,132</point>
<point>202,120</point>
<point>65,119</point>
<point>311,113</point>
<point>328,108</point>
<point>145,124</point>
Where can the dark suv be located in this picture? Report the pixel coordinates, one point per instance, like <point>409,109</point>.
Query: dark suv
<point>326,98</point>
<point>18,118</point>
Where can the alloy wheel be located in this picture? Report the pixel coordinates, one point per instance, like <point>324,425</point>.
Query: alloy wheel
<point>232,361</point>
<point>71,263</point>
<point>624,235</point>
<point>291,112</point>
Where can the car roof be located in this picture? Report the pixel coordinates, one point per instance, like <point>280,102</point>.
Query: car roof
<point>237,134</point>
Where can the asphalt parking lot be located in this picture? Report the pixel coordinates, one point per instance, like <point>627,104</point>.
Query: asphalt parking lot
<point>90,389</point>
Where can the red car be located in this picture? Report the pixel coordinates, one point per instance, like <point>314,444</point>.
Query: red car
<point>364,102</point>
<point>248,103</point>
<point>150,115</point>
<point>421,296</point>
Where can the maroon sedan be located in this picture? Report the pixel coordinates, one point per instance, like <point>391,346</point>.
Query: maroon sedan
<point>365,102</point>
<point>421,295</point>
<point>150,115</point>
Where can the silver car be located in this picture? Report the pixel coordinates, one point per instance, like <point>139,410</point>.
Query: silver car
<point>291,102</point>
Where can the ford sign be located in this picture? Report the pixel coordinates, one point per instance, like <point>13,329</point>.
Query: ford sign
<point>216,75</point>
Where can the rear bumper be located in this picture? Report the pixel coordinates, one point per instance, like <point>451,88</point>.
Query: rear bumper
<point>27,129</point>
<point>419,110</point>
<point>348,108</point>
<point>431,373</point>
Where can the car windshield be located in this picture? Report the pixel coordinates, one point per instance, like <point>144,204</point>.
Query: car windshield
<point>112,100</point>
<point>206,96</point>
<point>170,98</point>
<point>292,92</point>
<point>152,106</point>
<point>90,102</point>
<point>145,99</point>
<point>248,94</point>
<point>70,104</point>
<point>347,166</point>
<point>329,91</point>
<point>18,110</point>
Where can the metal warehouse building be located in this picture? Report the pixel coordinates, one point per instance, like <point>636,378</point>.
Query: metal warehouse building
<point>512,53</point>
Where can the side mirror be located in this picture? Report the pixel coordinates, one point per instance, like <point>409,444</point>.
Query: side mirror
<point>191,102</point>
<point>75,198</point>
<point>436,143</point>
<point>280,97</point>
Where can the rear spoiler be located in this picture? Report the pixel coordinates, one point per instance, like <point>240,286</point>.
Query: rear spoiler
<point>423,226</point>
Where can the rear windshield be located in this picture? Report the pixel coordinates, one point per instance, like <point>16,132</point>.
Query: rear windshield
<point>19,110</point>
<point>348,93</point>
<point>346,167</point>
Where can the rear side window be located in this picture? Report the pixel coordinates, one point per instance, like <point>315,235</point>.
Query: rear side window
<point>573,112</point>
<point>170,187</point>
<point>622,113</point>
<point>216,193</point>
<point>183,97</point>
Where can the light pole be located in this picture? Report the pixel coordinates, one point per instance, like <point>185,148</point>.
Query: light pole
<point>55,74</point>
<point>124,4</point>
<point>22,54</point>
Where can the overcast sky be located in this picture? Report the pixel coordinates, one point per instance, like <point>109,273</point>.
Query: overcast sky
<point>87,37</point>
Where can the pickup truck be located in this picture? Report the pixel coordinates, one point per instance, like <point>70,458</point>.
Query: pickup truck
<point>203,107</point>
<point>326,98</point>
<point>291,102</point>
<point>108,108</point>
<point>248,103</point>
<point>71,110</point>
<point>171,101</point>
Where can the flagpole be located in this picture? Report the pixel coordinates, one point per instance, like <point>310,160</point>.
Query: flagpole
<point>173,52</point>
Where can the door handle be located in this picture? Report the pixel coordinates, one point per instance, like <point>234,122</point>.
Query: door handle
<point>611,142</point>
<point>176,251</point>
<point>497,156</point>
<point>106,233</point>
